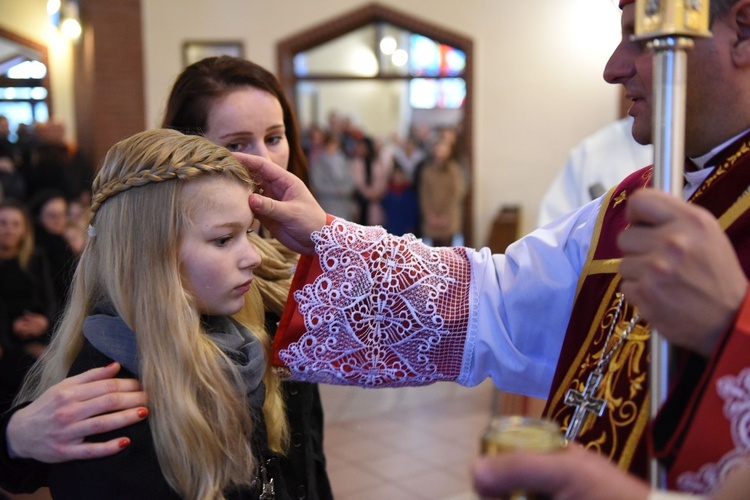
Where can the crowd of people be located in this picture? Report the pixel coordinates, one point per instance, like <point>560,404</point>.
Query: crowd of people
<point>44,190</point>
<point>415,184</point>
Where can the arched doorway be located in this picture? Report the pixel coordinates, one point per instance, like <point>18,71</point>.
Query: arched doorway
<point>375,22</point>
<point>24,80</point>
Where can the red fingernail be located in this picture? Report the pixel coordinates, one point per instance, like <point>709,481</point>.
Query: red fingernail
<point>142,412</point>
<point>124,443</point>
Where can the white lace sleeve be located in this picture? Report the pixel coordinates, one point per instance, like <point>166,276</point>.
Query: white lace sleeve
<point>386,311</point>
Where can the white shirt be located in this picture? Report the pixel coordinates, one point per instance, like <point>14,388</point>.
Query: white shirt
<point>596,164</point>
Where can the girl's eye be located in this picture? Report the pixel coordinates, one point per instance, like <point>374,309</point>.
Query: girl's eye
<point>234,146</point>
<point>222,242</point>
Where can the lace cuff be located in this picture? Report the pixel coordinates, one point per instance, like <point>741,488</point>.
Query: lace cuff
<point>375,310</point>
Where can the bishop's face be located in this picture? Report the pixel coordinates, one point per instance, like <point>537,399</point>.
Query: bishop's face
<point>712,112</point>
<point>630,65</point>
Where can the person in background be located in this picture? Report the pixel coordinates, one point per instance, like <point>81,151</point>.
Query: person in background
<point>441,192</point>
<point>400,204</point>
<point>54,164</point>
<point>75,232</point>
<point>5,138</point>
<point>27,301</point>
<point>314,142</point>
<point>370,173</point>
<point>49,211</point>
<point>12,182</point>
<point>331,180</point>
<point>408,156</point>
<point>599,162</point>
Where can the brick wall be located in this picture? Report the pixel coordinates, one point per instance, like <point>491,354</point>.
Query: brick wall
<point>108,76</point>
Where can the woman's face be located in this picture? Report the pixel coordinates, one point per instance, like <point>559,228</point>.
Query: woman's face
<point>54,216</point>
<point>249,120</point>
<point>12,228</point>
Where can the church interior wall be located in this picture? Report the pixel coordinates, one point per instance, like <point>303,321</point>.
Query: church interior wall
<point>538,66</point>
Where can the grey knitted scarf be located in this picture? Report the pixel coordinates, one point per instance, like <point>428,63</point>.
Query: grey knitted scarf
<point>109,334</point>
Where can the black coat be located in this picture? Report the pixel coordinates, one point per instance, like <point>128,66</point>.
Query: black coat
<point>133,473</point>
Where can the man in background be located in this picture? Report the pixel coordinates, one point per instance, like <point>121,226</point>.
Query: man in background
<point>594,165</point>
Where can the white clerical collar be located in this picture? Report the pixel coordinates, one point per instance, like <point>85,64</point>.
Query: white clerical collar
<point>701,161</point>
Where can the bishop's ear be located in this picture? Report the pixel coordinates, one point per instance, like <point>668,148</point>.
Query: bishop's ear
<point>740,21</point>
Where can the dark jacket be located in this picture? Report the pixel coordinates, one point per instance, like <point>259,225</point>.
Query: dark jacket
<point>138,474</point>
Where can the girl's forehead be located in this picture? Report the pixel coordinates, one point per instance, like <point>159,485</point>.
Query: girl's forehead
<point>213,192</point>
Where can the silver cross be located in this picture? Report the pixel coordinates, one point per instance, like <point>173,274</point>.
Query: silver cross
<point>585,402</point>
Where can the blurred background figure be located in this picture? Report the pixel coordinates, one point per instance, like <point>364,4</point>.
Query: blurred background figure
<point>594,165</point>
<point>331,180</point>
<point>49,212</point>
<point>409,157</point>
<point>12,183</point>
<point>313,142</point>
<point>370,174</point>
<point>5,131</point>
<point>53,163</point>
<point>76,231</point>
<point>27,300</point>
<point>441,190</point>
<point>400,204</point>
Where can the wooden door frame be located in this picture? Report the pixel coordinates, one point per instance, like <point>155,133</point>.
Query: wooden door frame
<point>331,29</point>
<point>43,58</point>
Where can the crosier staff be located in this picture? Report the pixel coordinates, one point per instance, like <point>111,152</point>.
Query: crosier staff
<point>669,27</point>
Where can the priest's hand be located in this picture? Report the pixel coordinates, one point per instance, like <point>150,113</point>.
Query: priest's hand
<point>572,473</point>
<point>52,428</point>
<point>680,269</point>
<point>286,207</point>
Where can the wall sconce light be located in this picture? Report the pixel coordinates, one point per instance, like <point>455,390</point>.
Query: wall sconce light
<point>64,15</point>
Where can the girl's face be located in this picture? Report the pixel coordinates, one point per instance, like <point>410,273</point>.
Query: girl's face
<point>216,257</point>
<point>54,216</point>
<point>12,228</point>
<point>249,120</point>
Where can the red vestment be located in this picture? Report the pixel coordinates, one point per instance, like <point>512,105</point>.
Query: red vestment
<point>691,431</point>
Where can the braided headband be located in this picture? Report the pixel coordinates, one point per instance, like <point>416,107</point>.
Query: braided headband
<point>159,173</point>
<point>158,155</point>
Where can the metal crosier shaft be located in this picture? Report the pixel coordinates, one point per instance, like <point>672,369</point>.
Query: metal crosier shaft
<point>669,26</point>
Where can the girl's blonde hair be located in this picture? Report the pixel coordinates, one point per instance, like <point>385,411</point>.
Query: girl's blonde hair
<point>268,292</point>
<point>132,262</point>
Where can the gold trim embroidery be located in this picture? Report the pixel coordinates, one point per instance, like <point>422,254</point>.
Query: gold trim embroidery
<point>620,198</point>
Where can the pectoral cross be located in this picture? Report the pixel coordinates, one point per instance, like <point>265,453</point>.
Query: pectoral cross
<point>585,402</point>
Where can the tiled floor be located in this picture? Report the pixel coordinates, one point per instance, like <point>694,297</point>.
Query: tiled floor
<point>404,444</point>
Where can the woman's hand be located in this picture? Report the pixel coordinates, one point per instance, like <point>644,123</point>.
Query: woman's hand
<point>52,428</point>
<point>284,206</point>
<point>30,325</point>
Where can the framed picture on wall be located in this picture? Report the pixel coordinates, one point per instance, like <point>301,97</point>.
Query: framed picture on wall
<point>195,50</point>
